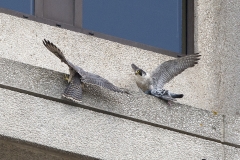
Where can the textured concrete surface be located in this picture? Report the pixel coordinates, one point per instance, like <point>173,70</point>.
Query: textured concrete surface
<point>230,57</point>
<point>232,129</point>
<point>231,153</point>
<point>140,107</point>
<point>217,35</point>
<point>95,134</point>
<point>11,149</point>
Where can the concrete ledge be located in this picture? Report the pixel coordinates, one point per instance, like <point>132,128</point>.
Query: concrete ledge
<point>138,107</point>
<point>232,129</point>
<point>231,153</point>
<point>84,132</point>
<point>18,149</point>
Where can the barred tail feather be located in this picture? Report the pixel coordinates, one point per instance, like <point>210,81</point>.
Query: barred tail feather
<point>74,90</point>
<point>73,93</point>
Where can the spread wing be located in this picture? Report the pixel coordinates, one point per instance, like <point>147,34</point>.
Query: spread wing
<point>56,51</point>
<point>169,69</point>
<point>93,79</point>
<point>86,77</point>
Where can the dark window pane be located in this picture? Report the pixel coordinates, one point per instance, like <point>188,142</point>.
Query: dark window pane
<point>156,23</point>
<point>24,6</point>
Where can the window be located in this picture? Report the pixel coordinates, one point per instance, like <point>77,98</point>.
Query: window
<point>155,23</point>
<point>158,25</point>
<point>25,6</point>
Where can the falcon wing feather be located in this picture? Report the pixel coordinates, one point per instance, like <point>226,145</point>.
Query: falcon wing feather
<point>86,77</point>
<point>56,51</point>
<point>169,69</point>
<point>94,79</point>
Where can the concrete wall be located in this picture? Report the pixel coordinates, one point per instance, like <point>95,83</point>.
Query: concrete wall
<point>119,126</point>
<point>217,37</point>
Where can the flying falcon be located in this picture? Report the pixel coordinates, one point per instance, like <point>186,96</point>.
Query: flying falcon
<point>153,83</point>
<point>78,77</point>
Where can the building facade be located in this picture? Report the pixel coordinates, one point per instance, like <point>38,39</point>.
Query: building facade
<point>36,123</point>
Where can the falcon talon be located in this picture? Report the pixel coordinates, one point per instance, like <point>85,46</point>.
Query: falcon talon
<point>66,77</point>
<point>78,76</point>
<point>153,83</point>
<point>83,86</point>
<point>127,91</point>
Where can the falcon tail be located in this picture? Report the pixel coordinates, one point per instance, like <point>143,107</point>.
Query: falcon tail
<point>164,94</point>
<point>74,90</point>
<point>73,93</point>
<point>176,95</point>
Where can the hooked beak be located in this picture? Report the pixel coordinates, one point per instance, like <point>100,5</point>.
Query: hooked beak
<point>135,69</point>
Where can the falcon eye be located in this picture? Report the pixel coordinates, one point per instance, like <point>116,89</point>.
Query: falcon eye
<point>137,72</point>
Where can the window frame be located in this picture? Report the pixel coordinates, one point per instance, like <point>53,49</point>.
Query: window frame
<point>187,31</point>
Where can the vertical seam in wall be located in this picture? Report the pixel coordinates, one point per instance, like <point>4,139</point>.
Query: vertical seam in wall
<point>220,40</point>
<point>223,136</point>
<point>223,128</point>
<point>218,15</point>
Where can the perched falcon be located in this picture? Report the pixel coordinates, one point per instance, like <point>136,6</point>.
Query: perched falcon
<point>78,77</point>
<point>153,83</point>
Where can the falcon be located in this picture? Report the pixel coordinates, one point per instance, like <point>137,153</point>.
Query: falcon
<point>78,77</point>
<point>153,83</point>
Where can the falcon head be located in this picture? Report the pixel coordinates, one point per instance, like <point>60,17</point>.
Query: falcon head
<point>138,71</point>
